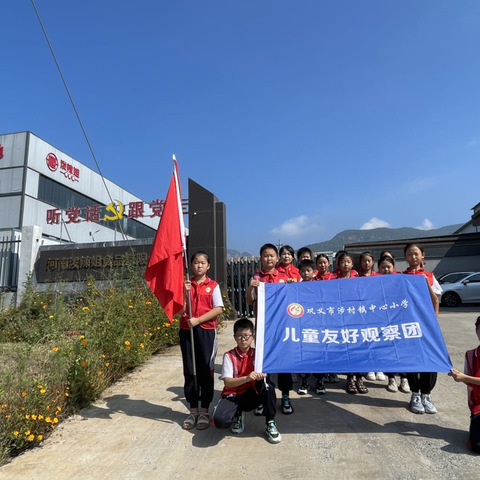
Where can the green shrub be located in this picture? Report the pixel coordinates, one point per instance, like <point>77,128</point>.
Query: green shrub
<point>58,353</point>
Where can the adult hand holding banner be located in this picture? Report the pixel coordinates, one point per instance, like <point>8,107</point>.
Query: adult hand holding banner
<point>384,323</point>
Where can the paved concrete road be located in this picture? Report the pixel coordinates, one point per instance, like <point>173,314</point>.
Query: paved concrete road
<point>135,431</point>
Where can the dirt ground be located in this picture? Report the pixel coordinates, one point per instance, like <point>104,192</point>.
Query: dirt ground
<point>134,431</point>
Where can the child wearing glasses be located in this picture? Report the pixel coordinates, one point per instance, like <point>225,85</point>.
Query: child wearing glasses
<point>244,388</point>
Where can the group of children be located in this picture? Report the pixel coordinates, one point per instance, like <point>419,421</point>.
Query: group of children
<point>245,389</point>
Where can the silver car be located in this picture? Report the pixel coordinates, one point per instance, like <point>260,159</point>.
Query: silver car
<point>460,287</point>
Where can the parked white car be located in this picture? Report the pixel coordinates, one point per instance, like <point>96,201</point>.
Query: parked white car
<point>460,287</point>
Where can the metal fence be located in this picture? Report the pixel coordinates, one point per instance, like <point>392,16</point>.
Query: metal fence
<point>9,259</point>
<point>239,273</point>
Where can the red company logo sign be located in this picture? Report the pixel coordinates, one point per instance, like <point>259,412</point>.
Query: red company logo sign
<point>295,310</point>
<point>1,152</point>
<point>66,169</point>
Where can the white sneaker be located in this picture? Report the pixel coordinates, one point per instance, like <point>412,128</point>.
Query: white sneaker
<point>392,385</point>
<point>272,433</point>
<point>381,376</point>
<point>428,405</point>
<point>370,376</point>
<point>258,411</point>
<point>416,404</point>
<point>238,425</point>
<point>404,386</point>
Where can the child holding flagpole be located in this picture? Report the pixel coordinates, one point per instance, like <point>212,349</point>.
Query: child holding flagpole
<point>206,304</point>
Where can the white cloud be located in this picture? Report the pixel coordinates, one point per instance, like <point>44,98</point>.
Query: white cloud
<point>426,225</point>
<point>375,222</point>
<point>294,227</point>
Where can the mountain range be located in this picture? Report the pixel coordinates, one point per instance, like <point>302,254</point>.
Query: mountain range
<point>361,236</point>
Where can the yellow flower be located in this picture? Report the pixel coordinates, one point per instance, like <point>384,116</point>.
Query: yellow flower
<point>84,342</point>
<point>41,417</point>
<point>103,355</point>
<point>34,417</point>
<point>107,364</point>
<point>142,345</point>
<point>4,405</point>
<point>100,372</point>
<point>43,391</point>
<point>16,433</point>
<point>48,420</point>
<point>55,420</point>
<point>48,408</point>
<point>27,432</point>
<point>84,363</point>
<point>59,409</point>
<point>24,394</point>
<point>55,349</point>
<point>127,343</point>
<point>31,437</point>
<point>67,394</point>
<point>51,316</point>
<point>85,309</point>
<point>27,417</point>
<point>40,438</point>
<point>130,306</point>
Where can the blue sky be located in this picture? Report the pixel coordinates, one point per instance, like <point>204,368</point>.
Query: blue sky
<point>304,117</point>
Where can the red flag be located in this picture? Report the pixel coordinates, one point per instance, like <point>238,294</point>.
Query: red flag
<point>165,268</point>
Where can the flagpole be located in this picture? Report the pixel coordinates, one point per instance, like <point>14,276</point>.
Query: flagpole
<point>185,265</point>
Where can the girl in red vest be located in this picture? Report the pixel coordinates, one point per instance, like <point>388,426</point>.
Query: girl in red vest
<point>287,255</point>
<point>421,383</point>
<point>206,302</point>
<point>472,379</point>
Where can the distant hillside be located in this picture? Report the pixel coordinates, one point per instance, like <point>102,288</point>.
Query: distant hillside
<point>361,236</point>
<point>377,235</point>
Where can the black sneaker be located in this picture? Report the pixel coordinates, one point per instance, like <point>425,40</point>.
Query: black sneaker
<point>332,378</point>
<point>320,388</point>
<point>287,408</point>
<point>303,390</point>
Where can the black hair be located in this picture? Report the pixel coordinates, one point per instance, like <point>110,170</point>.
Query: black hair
<point>387,253</point>
<point>243,324</point>
<point>306,264</point>
<point>268,246</point>
<point>410,245</point>
<point>386,258</point>
<point>200,252</point>
<point>367,254</point>
<point>303,250</point>
<point>289,249</point>
<point>340,252</point>
<point>321,255</point>
<point>342,256</point>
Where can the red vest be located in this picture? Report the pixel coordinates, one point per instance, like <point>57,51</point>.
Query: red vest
<point>327,276</point>
<point>420,271</point>
<point>243,364</point>
<point>338,274</point>
<point>291,271</point>
<point>201,295</point>
<point>473,370</point>
<point>276,276</point>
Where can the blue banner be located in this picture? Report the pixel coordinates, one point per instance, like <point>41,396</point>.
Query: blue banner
<point>384,323</point>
